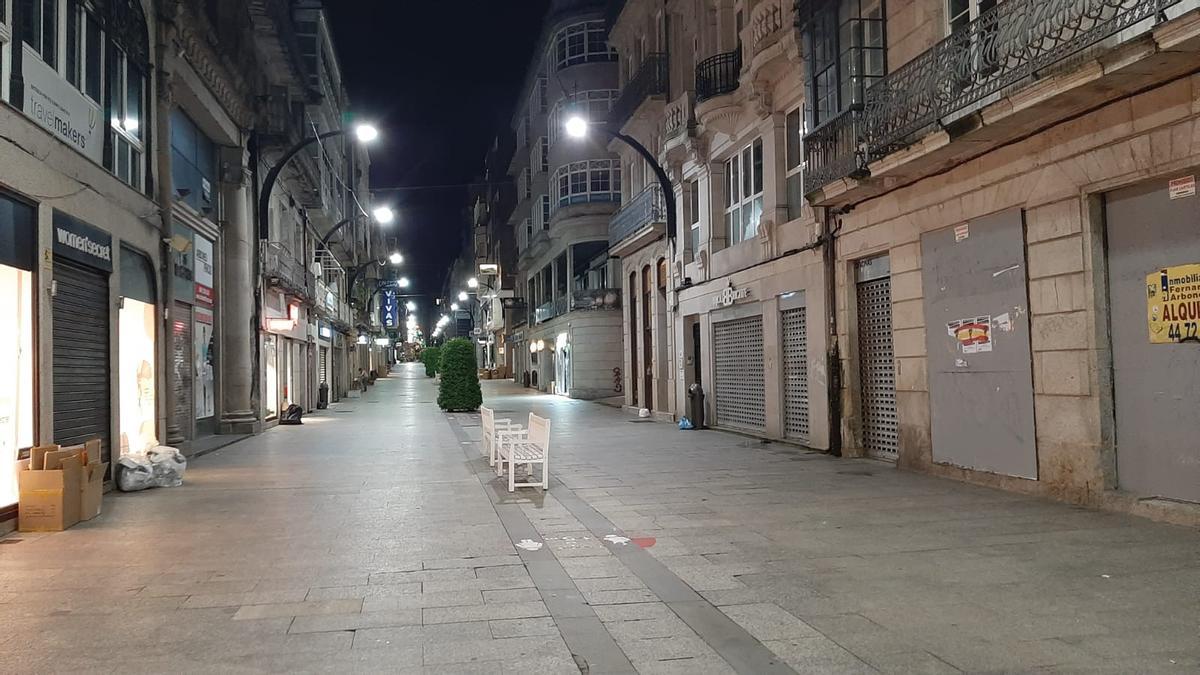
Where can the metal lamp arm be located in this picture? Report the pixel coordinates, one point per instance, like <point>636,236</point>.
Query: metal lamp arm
<point>663,180</point>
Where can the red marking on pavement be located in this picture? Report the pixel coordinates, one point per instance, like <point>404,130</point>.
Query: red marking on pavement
<point>644,542</point>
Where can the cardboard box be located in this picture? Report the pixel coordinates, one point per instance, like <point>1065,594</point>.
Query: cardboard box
<point>49,499</point>
<point>92,488</point>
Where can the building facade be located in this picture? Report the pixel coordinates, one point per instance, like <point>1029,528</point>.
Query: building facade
<point>567,189</point>
<point>129,243</point>
<point>917,231</point>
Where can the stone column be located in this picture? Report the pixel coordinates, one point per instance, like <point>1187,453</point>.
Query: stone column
<point>239,338</point>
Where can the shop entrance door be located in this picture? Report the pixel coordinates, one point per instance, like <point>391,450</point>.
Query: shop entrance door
<point>82,372</point>
<point>795,367</point>
<point>740,386</point>
<point>1155,376</point>
<point>880,423</point>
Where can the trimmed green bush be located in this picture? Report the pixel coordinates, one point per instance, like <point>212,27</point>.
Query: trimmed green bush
<point>459,390</point>
<point>432,358</point>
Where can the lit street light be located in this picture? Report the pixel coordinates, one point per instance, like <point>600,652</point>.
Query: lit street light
<point>462,296</point>
<point>454,307</point>
<point>402,282</point>
<point>411,306</point>
<point>396,258</point>
<point>577,127</point>
<point>366,133</point>
<point>472,283</point>
<point>384,214</point>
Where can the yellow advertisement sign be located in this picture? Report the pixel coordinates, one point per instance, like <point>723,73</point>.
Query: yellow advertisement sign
<point>1173,303</point>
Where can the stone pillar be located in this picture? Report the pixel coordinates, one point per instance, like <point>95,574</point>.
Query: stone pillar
<point>239,338</point>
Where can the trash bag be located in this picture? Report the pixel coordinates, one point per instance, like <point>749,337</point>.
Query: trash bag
<point>293,415</point>
<point>161,466</point>
<point>685,424</point>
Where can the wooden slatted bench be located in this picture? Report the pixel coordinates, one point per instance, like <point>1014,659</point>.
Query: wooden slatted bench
<point>527,446</point>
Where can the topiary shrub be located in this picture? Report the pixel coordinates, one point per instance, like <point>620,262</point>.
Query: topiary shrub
<point>459,390</point>
<point>432,358</point>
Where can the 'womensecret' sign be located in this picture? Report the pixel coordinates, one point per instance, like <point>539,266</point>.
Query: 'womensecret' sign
<point>81,242</point>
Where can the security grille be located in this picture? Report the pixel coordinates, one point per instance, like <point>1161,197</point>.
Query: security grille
<point>795,374</point>
<point>182,367</point>
<point>880,435</point>
<point>739,373</point>
<point>324,365</point>
<point>82,377</point>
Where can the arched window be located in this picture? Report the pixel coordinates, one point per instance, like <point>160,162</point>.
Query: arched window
<point>128,68</point>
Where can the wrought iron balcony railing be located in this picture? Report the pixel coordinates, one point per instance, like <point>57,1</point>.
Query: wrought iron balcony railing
<point>718,75</point>
<point>282,269</point>
<point>650,80</point>
<point>646,208</point>
<point>1004,48</point>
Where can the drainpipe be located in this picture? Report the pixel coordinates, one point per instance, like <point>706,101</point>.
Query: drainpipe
<point>164,102</point>
<point>833,358</point>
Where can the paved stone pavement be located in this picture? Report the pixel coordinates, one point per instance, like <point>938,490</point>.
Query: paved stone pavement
<point>375,539</point>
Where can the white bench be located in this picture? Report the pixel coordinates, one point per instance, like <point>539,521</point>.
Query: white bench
<point>493,431</point>
<point>525,446</point>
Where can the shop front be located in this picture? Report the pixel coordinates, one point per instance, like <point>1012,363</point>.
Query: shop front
<point>18,236</point>
<point>137,328</point>
<point>193,345</point>
<point>285,358</point>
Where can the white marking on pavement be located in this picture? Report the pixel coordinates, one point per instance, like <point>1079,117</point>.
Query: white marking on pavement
<point>616,539</point>
<point>530,545</point>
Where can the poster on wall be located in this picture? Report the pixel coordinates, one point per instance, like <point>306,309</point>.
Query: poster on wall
<point>1173,304</point>
<point>136,380</point>
<point>203,272</point>
<point>203,352</point>
<point>973,335</point>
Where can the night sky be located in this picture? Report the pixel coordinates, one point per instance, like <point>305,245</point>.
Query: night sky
<point>439,78</point>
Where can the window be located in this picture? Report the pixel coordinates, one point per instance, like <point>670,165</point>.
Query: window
<point>127,105</point>
<point>744,193</point>
<point>537,98</point>
<point>597,180</point>
<point>528,231</point>
<point>544,213</point>
<point>959,13</point>
<point>582,43</point>
<point>693,190</point>
<point>5,47</point>
<point>593,104</point>
<point>524,189</point>
<point>85,50</point>
<point>541,155</point>
<point>845,55</point>
<point>193,164</point>
<point>794,158</point>
<point>39,28</point>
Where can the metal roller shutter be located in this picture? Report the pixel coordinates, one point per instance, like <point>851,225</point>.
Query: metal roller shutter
<point>182,368</point>
<point>795,373</point>
<point>82,382</point>
<point>741,392</point>
<point>324,365</point>
<point>880,428</point>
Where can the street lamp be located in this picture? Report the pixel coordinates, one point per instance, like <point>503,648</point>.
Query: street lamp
<point>402,282</point>
<point>365,133</point>
<point>411,306</point>
<point>385,215</point>
<point>454,307</point>
<point>472,283</point>
<point>396,258</point>
<point>577,127</point>
<point>462,296</point>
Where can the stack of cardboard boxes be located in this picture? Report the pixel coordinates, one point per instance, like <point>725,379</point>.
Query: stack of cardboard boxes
<point>60,486</point>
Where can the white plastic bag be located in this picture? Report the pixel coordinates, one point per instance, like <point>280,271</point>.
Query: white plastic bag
<point>160,466</point>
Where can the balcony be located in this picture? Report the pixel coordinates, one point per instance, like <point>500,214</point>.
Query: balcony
<point>595,299</point>
<point>679,119</point>
<point>281,269</point>
<point>545,312</point>
<point>650,80</point>
<point>718,75</point>
<point>638,223</point>
<point>767,23</point>
<point>1014,52</point>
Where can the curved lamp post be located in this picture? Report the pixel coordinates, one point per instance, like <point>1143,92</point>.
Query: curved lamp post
<point>365,133</point>
<point>577,127</point>
<point>383,215</point>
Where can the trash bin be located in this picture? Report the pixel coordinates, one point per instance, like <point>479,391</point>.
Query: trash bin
<point>323,396</point>
<point>696,406</point>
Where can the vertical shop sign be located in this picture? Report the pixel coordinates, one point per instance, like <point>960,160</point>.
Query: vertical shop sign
<point>389,310</point>
<point>203,272</point>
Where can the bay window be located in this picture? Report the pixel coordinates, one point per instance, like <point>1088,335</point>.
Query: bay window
<point>593,105</point>
<point>127,106</point>
<point>596,180</point>
<point>543,212</point>
<point>744,193</point>
<point>540,160</point>
<point>585,42</point>
<point>794,159</point>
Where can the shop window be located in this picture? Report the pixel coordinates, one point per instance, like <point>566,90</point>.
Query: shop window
<point>585,42</point>
<point>17,244</point>
<point>597,180</point>
<point>794,158</point>
<point>846,53</point>
<point>193,164</point>
<point>744,193</point>
<point>137,328</point>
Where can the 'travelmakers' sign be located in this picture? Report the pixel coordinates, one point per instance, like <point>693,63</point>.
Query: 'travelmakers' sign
<point>389,309</point>
<point>59,107</point>
<point>81,242</point>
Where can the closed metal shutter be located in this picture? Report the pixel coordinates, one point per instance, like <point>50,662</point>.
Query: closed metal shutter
<point>880,429</point>
<point>741,393</point>
<point>182,369</point>
<point>82,373</point>
<point>324,365</point>
<point>795,373</point>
